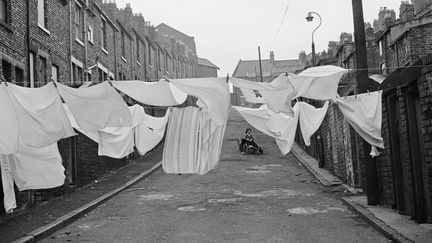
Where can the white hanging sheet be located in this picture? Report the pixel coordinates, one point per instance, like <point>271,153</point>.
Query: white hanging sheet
<point>150,132</point>
<point>37,168</point>
<point>277,95</point>
<point>8,123</point>
<point>96,107</point>
<point>211,146</point>
<point>92,135</point>
<point>159,93</point>
<point>115,142</point>
<point>310,119</point>
<point>212,94</point>
<point>252,96</point>
<point>277,125</point>
<point>182,143</point>
<point>41,118</point>
<point>364,113</point>
<point>9,200</point>
<point>319,83</point>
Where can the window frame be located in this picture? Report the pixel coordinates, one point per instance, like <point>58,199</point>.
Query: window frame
<point>90,34</point>
<point>6,12</point>
<point>78,22</point>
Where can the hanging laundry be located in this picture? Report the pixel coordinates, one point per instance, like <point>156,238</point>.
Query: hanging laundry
<point>182,143</point>
<point>8,123</point>
<point>159,93</point>
<point>252,96</point>
<point>277,125</point>
<point>364,113</point>
<point>310,119</point>
<point>41,118</point>
<point>104,107</point>
<point>212,94</point>
<point>319,83</point>
<point>37,168</point>
<point>279,101</point>
<point>277,95</point>
<point>92,135</point>
<point>150,132</point>
<point>9,200</point>
<point>115,142</point>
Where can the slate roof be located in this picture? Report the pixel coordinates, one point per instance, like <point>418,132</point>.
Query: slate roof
<point>206,62</point>
<point>276,68</point>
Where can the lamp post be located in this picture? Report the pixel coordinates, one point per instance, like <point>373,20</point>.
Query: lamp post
<point>309,18</point>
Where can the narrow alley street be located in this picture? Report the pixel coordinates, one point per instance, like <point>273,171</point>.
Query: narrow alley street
<point>248,198</point>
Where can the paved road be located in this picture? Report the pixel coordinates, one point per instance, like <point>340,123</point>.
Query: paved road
<point>267,198</point>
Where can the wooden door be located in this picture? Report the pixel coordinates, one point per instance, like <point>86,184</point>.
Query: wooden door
<point>418,167</point>
<point>400,179</point>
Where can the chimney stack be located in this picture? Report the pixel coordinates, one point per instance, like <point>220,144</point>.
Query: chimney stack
<point>272,57</point>
<point>406,11</point>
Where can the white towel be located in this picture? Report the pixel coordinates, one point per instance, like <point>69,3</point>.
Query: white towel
<point>96,107</point>
<point>41,118</point>
<point>310,119</point>
<point>364,113</point>
<point>8,123</point>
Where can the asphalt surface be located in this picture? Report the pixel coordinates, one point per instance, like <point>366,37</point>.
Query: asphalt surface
<point>248,198</point>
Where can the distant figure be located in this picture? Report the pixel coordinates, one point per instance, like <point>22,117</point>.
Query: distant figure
<point>247,144</point>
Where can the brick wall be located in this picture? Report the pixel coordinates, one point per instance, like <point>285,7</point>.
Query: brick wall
<point>12,51</point>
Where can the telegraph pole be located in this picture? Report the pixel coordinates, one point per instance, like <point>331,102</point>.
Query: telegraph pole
<point>362,80</point>
<point>259,58</point>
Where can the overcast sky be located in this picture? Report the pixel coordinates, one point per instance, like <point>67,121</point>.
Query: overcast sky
<point>228,30</point>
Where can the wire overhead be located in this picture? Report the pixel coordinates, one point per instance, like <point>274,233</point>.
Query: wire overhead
<point>281,23</point>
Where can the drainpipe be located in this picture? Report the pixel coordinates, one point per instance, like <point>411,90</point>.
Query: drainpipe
<point>133,60</point>
<point>28,41</point>
<point>115,55</point>
<point>85,40</point>
<point>70,44</point>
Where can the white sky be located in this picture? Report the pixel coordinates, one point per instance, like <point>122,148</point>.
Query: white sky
<point>228,30</point>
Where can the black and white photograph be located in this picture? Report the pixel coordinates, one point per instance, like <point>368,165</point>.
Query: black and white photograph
<point>243,121</point>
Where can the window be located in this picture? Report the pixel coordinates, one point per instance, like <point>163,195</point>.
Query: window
<point>383,68</point>
<point>78,22</point>
<point>102,75</point>
<point>159,59</point>
<point>4,11</point>
<point>19,76</point>
<point>138,58</point>
<point>41,13</point>
<point>90,34</point>
<point>381,50</point>
<point>32,69</point>
<point>103,35</point>
<point>7,70</point>
<point>42,72</point>
<point>406,49</point>
<point>123,47</point>
<point>54,73</point>
<point>77,74</point>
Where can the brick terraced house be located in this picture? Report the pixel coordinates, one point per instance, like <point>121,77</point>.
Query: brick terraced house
<point>77,41</point>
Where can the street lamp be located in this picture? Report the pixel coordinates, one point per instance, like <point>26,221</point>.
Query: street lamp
<point>309,18</point>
